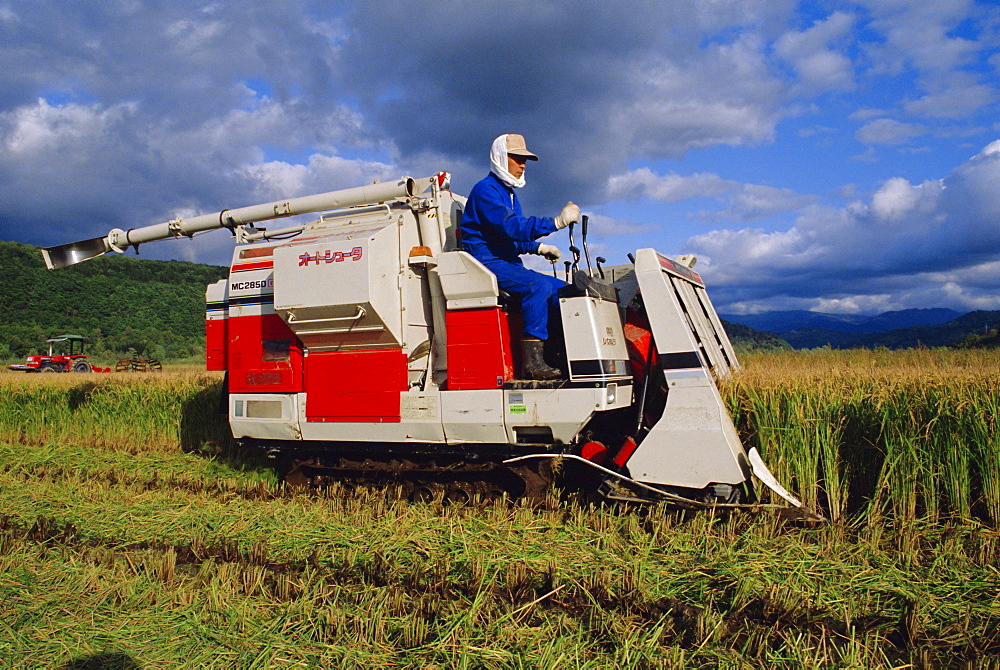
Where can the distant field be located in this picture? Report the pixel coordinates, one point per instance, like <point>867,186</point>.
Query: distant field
<point>130,530</point>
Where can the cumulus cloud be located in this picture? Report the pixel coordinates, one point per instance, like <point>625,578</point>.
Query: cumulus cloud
<point>741,201</point>
<point>958,96</point>
<point>912,245</point>
<point>155,108</point>
<point>644,183</point>
<point>590,84</point>
<point>122,114</point>
<point>889,131</point>
<point>809,52</point>
<point>321,173</point>
<point>926,37</point>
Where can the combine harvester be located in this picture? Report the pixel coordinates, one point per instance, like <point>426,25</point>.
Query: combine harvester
<point>365,345</point>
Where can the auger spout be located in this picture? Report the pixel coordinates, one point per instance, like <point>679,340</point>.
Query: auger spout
<point>119,240</point>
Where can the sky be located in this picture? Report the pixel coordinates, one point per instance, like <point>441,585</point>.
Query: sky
<point>840,157</point>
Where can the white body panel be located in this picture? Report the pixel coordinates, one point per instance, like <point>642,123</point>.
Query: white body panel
<point>216,296</point>
<point>250,293</point>
<point>694,443</point>
<point>266,416</point>
<point>466,282</point>
<point>341,290</point>
<point>595,341</point>
<point>473,416</point>
<point>565,411</point>
<point>493,416</point>
<point>417,432</point>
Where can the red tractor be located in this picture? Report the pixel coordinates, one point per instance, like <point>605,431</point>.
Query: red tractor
<point>73,361</point>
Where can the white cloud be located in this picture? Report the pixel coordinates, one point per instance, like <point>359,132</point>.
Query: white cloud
<point>922,36</point>
<point>818,65</point>
<point>604,227</point>
<point>727,97</point>
<point>921,244</point>
<point>743,201</point>
<point>755,201</point>
<point>959,96</point>
<point>889,131</point>
<point>194,34</point>
<point>897,198</point>
<point>322,173</point>
<point>51,128</point>
<point>644,183</point>
<point>8,15</point>
<point>991,149</point>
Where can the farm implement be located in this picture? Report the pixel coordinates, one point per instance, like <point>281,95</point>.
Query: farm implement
<point>138,365</point>
<point>366,345</point>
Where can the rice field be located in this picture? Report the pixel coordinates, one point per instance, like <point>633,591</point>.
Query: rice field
<point>132,533</point>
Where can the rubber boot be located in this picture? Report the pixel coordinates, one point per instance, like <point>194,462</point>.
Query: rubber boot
<point>535,366</point>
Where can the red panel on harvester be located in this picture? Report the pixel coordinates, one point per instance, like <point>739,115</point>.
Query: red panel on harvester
<point>264,355</point>
<point>359,386</point>
<point>216,337</point>
<point>479,349</point>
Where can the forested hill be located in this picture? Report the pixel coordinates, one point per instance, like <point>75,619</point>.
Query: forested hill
<point>745,338</point>
<point>125,305</point>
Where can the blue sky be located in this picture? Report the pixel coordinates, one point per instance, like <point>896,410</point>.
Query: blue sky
<point>834,156</point>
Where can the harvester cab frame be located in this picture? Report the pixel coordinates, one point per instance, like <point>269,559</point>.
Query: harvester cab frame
<point>367,344</point>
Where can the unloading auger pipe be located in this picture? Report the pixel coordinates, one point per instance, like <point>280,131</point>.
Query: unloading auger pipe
<point>119,240</point>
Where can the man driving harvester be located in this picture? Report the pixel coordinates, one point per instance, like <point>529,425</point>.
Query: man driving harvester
<point>496,232</point>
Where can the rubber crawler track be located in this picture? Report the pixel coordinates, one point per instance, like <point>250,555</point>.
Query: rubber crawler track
<point>453,481</point>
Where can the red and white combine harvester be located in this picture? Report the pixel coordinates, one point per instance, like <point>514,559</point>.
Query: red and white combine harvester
<point>366,345</point>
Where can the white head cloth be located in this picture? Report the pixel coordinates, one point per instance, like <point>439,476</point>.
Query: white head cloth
<point>498,163</point>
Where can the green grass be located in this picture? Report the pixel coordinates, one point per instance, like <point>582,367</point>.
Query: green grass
<point>170,564</point>
<point>131,412</point>
<point>160,547</point>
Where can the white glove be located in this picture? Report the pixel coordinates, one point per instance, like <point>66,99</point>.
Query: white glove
<point>570,214</point>
<point>549,252</point>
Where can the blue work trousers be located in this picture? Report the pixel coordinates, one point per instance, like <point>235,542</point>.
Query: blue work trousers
<point>538,294</point>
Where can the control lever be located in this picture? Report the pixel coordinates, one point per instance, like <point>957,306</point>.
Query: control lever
<point>573,249</point>
<point>583,241</point>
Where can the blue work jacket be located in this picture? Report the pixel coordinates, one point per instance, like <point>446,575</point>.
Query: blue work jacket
<point>493,225</point>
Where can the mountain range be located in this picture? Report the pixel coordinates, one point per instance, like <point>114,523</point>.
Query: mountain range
<point>935,327</point>
<point>787,321</point>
